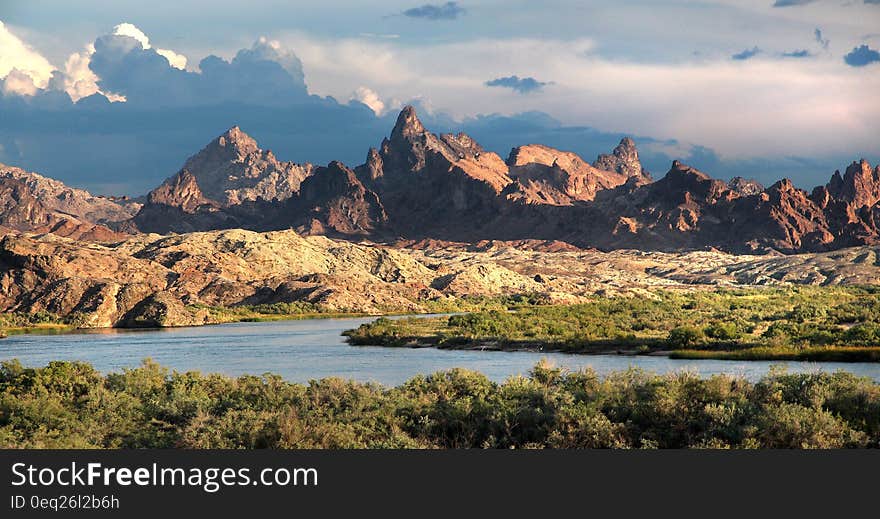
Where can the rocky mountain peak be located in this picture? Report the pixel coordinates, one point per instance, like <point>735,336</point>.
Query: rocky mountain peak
<point>682,171</point>
<point>232,169</point>
<point>236,141</point>
<point>624,159</point>
<point>859,186</point>
<point>410,145</point>
<point>408,124</point>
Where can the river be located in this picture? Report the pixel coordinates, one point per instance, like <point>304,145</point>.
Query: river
<point>313,348</point>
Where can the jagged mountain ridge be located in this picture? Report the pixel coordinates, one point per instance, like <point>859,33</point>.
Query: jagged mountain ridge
<point>420,186</point>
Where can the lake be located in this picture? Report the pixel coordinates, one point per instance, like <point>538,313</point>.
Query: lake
<point>313,348</point>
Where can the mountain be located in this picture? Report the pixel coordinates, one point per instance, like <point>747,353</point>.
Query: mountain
<point>432,183</point>
<point>417,186</point>
<point>31,202</point>
<point>224,185</point>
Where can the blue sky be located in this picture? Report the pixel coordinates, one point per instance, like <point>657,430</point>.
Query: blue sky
<point>573,74</point>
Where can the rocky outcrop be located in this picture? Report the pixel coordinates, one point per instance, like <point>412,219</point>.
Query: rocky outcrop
<point>545,175</point>
<point>31,202</point>
<point>147,280</point>
<point>162,310</point>
<point>434,184</point>
<point>745,187</point>
<point>624,160</point>
<point>233,169</point>
<point>335,201</point>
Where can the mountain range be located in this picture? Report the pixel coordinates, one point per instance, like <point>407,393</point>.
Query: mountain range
<point>417,186</point>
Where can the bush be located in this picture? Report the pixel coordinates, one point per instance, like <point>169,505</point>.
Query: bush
<point>684,337</point>
<point>70,405</point>
<point>723,331</point>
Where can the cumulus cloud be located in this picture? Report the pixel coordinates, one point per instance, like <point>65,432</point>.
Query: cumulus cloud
<point>746,54</point>
<point>18,83</point>
<point>523,85</point>
<point>447,11</point>
<point>370,98</point>
<point>861,56</point>
<point>265,73</point>
<point>16,54</point>
<point>132,31</point>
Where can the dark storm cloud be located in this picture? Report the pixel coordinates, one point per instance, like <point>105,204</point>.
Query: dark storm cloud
<point>791,3</point>
<point>746,54</point>
<point>861,56</point>
<point>523,85</point>
<point>820,39</point>
<point>447,11</point>
<point>803,53</point>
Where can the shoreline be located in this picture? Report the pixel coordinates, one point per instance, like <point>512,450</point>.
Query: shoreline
<point>59,328</point>
<point>854,354</point>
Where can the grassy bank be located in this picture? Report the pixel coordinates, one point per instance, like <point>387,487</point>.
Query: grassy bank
<point>70,405</point>
<point>790,323</point>
<point>17,323</point>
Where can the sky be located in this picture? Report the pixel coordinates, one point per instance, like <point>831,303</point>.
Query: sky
<point>113,96</point>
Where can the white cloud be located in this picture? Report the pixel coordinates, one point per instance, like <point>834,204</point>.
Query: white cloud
<point>176,60</point>
<point>369,98</point>
<point>128,29</point>
<point>18,83</point>
<point>79,80</point>
<point>765,106</point>
<point>16,54</point>
<point>131,30</point>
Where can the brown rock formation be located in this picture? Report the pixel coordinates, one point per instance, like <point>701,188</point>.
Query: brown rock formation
<point>226,184</point>
<point>545,175</point>
<point>624,159</point>
<point>162,281</point>
<point>31,202</point>
<point>334,200</point>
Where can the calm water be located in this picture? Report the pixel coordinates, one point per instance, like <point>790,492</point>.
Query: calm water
<point>310,349</point>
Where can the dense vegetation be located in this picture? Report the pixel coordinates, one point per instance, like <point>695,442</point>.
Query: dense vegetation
<point>807,323</point>
<point>70,405</point>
